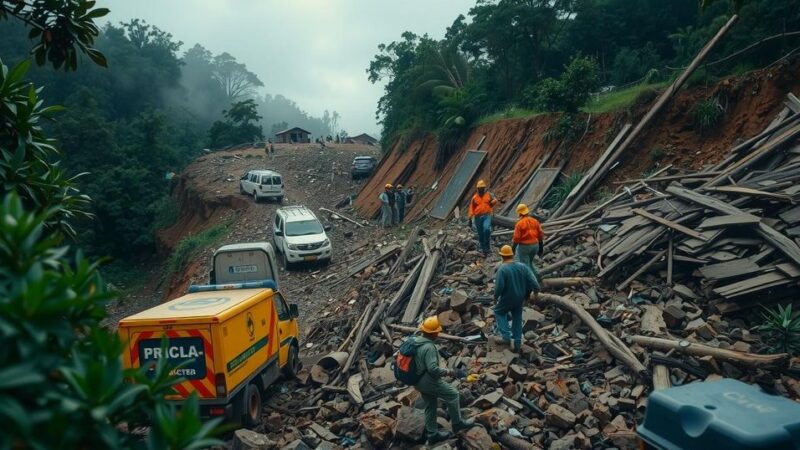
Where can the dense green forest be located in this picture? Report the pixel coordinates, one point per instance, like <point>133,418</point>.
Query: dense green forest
<point>530,56</point>
<point>150,112</point>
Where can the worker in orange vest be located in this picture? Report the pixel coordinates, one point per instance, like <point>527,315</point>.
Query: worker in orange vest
<point>480,212</point>
<point>528,239</point>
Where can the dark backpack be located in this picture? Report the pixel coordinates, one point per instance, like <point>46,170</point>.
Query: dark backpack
<point>405,366</point>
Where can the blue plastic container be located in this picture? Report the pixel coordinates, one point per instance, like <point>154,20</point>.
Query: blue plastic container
<point>725,414</point>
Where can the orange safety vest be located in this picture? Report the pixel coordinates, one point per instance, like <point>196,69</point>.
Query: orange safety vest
<point>481,204</point>
<point>528,231</point>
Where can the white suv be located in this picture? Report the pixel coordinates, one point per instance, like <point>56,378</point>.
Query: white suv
<point>299,236</point>
<point>262,184</point>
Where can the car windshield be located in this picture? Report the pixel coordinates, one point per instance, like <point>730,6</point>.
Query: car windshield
<point>303,228</point>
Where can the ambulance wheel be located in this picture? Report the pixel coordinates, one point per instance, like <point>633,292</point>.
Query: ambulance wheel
<point>292,363</point>
<point>251,403</point>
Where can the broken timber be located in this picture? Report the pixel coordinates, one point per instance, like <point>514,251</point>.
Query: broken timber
<point>691,348</point>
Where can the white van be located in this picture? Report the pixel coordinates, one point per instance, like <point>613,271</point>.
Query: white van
<point>299,236</point>
<point>243,263</point>
<point>262,184</point>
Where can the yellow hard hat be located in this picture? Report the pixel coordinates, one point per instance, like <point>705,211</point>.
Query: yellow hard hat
<point>388,186</point>
<point>522,209</point>
<point>399,186</point>
<point>506,250</point>
<point>481,184</point>
<point>431,325</point>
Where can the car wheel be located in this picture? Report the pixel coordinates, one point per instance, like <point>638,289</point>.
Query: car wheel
<point>255,196</point>
<point>251,406</point>
<point>280,199</point>
<point>292,366</point>
<point>326,262</point>
<point>285,259</point>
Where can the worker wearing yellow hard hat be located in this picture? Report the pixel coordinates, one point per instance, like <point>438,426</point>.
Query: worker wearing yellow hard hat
<point>528,239</point>
<point>432,387</point>
<point>387,200</point>
<point>480,212</point>
<point>513,284</point>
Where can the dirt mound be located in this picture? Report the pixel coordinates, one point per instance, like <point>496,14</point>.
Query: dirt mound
<point>515,147</point>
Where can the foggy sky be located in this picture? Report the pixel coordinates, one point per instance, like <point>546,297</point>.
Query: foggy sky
<point>314,52</point>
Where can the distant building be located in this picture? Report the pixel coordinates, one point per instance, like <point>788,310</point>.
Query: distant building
<point>363,139</point>
<point>294,135</point>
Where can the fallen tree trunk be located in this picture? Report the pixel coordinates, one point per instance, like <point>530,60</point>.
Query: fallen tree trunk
<point>550,283</point>
<point>446,336</point>
<point>694,349</point>
<point>617,348</point>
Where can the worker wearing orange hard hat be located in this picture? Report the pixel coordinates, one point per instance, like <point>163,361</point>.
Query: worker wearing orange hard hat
<point>480,212</point>
<point>513,284</point>
<point>387,199</point>
<point>528,239</point>
<point>430,384</point>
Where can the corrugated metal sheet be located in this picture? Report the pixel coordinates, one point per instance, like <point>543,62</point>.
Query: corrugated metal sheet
<point>458,184</point>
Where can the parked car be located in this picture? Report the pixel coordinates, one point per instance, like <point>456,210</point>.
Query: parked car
<point>363,166</point>
<point>300,237</point>
<point>229,341</point>
<point>262,184</point>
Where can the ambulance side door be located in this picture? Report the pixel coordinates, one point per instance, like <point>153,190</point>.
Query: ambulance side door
<point>287,327</point>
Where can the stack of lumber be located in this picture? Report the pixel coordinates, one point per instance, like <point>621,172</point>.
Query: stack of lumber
<point>735,226</point>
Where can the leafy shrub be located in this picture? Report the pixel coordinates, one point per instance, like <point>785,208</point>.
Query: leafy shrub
<point>633,64</point>
<point>565,130</point>
<point>567,93</point>
<point>559,193</point>
<point>190,246</point>
<point>708,113</point>
<point>781,329</point>
<point>166,212</point>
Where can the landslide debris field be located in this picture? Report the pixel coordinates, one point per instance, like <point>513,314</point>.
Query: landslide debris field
<point>662,282</point>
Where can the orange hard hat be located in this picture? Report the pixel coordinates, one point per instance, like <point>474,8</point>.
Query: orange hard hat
<point>506,250</point>
<point>481,184</point>
<point>522,209</point>
<point>431,325</point>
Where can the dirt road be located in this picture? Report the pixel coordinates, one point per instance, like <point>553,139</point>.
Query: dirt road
<point>208,195</point>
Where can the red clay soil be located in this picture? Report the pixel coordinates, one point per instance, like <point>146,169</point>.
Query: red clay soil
<point>751,101</point>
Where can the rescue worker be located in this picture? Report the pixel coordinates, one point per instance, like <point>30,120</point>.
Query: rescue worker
<point>432,387</point>
<point>528,239</point>
<point>393,204</point>
<point>386,206</point>
<point>410,195</point>
<point>513,284</point>
<point>480,212</point>
<point>400,201</point>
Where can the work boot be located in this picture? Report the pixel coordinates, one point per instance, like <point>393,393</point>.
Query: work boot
<point>516,348</point>
<point>439,436</point>
<point>499,340</point>
<point>465,424</point>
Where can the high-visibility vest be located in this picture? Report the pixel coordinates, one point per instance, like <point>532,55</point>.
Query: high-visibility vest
<point>528,231</point>
<point>481,204</point>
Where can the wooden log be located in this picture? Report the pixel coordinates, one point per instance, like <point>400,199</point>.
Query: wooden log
<point>421,288</point>
<point>352,333</point>
<point>412,240</point>
<point>357,340</point>
<point>405,288</point>
<point>670,224</point>
<point>551,283</point>
<point>617,348</point>
<point>354,389</point>
<point>661,377</point>
<point>515,443</point>
<point>588,252</point>
<point>445,336</point>
<point>695,349</point>
<point>342,216</point>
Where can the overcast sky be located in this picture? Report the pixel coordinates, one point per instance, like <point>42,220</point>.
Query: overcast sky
<point>314,52</point>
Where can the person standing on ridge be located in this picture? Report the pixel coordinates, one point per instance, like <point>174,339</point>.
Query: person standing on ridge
<point>386,206</point>
<point>432,387</point>
<point>393,205</point>
<point>528,239</point>
<point>400,200</point>
<point>513,284</point>
<point>480,212</point>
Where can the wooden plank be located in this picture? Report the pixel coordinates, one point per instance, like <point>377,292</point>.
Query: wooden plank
<point>670,254</point>
<point>751,192</point>
<point>641,270</point>
<point>670,224</point>
<point>729,221</point>
<point>458,184</point>
<point>420,289</point>
<point>750,283</point>
<point>730,269</point>
<point>410,242</point>
<point>789,269</point>
<point>791,216</point>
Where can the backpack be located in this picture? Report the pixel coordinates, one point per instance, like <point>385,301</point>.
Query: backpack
<point>404,366</point>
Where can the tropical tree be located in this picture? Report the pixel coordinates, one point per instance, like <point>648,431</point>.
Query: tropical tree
<point>233,77</point>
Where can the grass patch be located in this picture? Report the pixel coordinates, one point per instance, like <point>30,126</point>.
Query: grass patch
<point>190,246</point>
<point>621,99</point>
<point>166,212</point>
<point>511,112</point>
<point>780,329</point>
<point>559,193</point>
<point>124,276</point>
<point>708,113</point>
